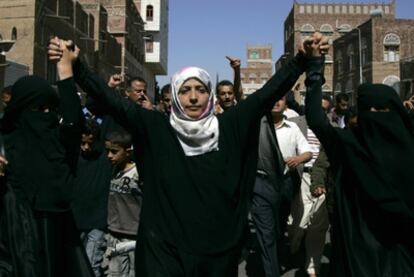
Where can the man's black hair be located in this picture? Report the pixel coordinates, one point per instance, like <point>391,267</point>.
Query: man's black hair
<point>121,138</point>
<point>327,97</point>
<point>223,83</point>
<point>91,127</point>
<point>165,89</point>
<point>341,97</point>
<point>136,78</point>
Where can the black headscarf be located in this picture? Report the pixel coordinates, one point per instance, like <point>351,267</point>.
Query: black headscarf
<point>37,167</point>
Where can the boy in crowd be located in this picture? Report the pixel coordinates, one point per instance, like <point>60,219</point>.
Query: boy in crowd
<point>124,206</point>
<point>91,194</point>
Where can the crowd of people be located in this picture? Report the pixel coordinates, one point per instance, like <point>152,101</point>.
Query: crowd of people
<point>118,186</point>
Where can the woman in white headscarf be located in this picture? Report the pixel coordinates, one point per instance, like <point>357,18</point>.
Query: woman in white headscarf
<point>198,169</point>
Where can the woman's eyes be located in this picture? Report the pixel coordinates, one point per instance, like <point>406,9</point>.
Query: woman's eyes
<point>200,89</point>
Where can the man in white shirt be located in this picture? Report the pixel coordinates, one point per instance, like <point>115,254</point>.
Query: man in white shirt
<point>295,151</point>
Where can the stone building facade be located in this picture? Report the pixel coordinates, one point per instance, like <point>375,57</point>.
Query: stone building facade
<point>31,24</point>
<point>107,59</point>
<point>373,52</point>
<point>333,20</point>
<point>126,25</point>
<point>259,68</point>
<point>155,16</point>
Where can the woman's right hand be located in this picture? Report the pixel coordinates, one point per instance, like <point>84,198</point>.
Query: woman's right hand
<point>64,53</point>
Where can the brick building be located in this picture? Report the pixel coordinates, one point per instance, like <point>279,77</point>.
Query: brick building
<point>107,59</point>
<point>333,20</point>
<point>372,52</point>
<point>155,16</point>
<point>31,24</point>
<point>259,68</point>
<point>126,25</point>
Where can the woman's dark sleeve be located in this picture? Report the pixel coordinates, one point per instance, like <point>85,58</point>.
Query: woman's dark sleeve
<point>315,116</point>
<point>71,120</point>
<point>250,110</point>
<point>129,115</point>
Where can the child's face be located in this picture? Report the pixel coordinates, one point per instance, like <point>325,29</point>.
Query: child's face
<point>116,154</point>
<point>87,142</point>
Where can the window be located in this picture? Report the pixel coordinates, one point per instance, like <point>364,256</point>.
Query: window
<point>150,13</point>
<point>364,51</point>
<point>14,34</point>
<point>149,45</point>
<point>392,48</point>
<point>307,30</point>
<point>338,58</point>
<point>326,29</point>
<point>254,55</point>
<point>350,55</point>
<point>344,28</point>
<point>349,86</point>
<point>301,9</point>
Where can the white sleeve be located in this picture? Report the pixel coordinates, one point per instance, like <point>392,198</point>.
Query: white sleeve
<point>302,145</point>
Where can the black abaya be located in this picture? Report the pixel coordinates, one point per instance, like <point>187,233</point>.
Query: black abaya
<point>374,212</point>
<point>38,236</point>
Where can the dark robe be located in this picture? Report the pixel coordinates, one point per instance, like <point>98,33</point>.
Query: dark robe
<point>38,236</point>
<point>198,205</point>
<point>373,224</point>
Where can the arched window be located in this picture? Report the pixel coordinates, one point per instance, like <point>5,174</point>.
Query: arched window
<point>392,48</point>
<point>14,34</point>
<point>307,30</point>
<point>344,28</point>
<point>350,55</point>
<point>326,29</point>
<point>392,81</point>
<point>150,13</point>
<point>254,55</point>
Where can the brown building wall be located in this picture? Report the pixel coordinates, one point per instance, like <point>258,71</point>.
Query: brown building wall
<point>259,66</point>
<point>37,21</point>
<point>375,69</point>
<point>330,19</point>
<point>18,14</point>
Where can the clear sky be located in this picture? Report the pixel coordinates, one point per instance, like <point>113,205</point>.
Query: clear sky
<point>203,32</point>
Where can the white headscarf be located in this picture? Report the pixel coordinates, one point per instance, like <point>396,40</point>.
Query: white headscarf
<point>196,136</point>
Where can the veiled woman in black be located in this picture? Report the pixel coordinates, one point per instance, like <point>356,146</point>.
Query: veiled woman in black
<point>41,133</point>
<point>374,189</point>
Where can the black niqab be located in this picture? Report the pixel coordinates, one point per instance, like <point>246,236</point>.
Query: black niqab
<point>37,168</point>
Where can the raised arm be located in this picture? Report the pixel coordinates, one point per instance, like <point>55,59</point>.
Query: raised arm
<point>315,116</point>
<point>237,87</point>
<point>69,107</point>
<point>126,113</point>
